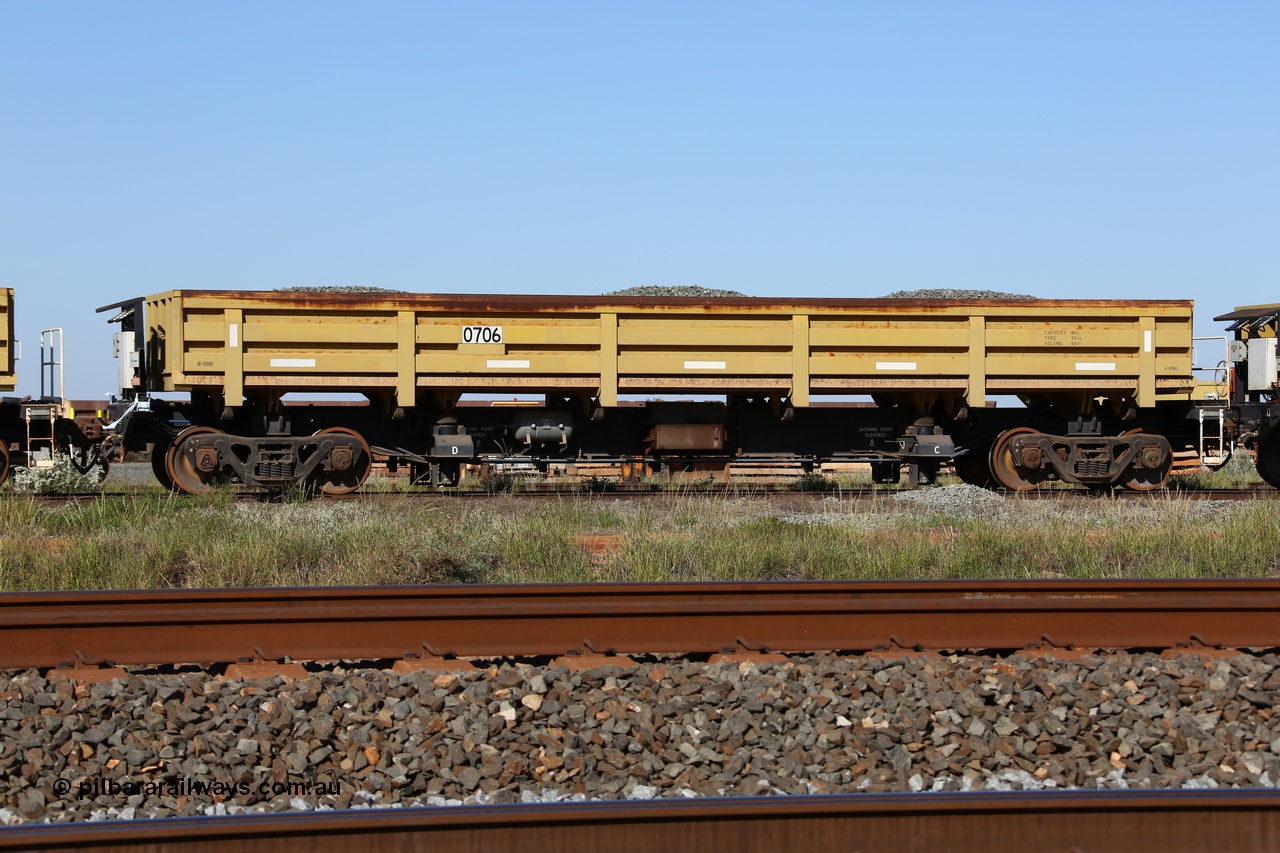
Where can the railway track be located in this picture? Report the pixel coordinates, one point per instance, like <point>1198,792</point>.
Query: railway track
<point>165,627</point>
<point>763,491</point>
<point>1126,822</point>
<point>424,639</point>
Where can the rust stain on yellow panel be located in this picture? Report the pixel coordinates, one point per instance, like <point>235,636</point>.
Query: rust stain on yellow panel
<point>1033,383</point>
<point>886,382</point>
<point>316,381</point>
<point>450,380</point>
<point>701,383</point>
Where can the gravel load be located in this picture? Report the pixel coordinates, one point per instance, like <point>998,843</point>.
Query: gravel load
<point>682,291</point>
<point>186,743</point>
<point>339,288</point>
<point>944,293</point>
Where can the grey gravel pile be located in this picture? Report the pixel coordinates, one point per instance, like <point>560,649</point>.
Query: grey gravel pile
<point>822,724</point>
<point>960,502</point>
<point>944,498</point>
<point>944,293</point>
<point>683,291</point>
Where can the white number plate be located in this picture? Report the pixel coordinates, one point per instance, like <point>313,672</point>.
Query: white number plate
<point>482,334</point>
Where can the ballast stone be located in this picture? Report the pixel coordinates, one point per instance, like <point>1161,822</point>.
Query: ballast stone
<point>816,724</point>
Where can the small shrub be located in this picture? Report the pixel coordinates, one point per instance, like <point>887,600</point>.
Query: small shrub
<point>501,483</point>
<point>596,484</point>
<point>813,483</point>
<point>62,478</point>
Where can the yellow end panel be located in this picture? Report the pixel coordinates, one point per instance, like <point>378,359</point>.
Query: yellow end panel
<point>8,376</point>
<point>164,341</point>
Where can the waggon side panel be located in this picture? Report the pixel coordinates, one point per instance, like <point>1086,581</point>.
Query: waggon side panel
<point>608,345</point>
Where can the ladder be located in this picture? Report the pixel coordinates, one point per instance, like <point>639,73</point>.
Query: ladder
<point>49,408</point>
<point>1214,450</point>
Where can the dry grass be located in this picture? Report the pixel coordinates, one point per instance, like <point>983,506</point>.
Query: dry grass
<point>156,541</point>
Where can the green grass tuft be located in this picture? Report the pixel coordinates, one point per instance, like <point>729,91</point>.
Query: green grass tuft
<point>158,540</point>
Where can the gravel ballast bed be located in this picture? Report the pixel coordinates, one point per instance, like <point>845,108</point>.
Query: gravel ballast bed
<point>512,733</point>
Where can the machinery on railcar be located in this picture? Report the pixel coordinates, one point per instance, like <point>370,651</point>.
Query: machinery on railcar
<point>1250,386</point>
<point>1107,386</point>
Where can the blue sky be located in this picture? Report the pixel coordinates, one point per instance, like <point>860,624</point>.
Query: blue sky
<point>1091,149</point>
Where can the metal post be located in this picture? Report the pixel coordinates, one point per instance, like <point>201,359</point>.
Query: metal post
<point>49,340</point>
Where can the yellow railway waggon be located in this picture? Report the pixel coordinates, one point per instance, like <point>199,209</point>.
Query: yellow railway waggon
<point>8,376</point>
<point>1104,385</point>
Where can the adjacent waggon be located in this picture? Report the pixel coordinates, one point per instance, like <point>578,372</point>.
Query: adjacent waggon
<point>1108,393</point>
<point>35,431</point>
<point>10,415</point>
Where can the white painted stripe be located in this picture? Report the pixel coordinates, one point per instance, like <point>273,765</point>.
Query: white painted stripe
<point>704,365</point>
<point>1146,340</point>
<point>234,334</point>
<point>1095,365</point>
<point>895,365</point>
<point>293,362</point>
<point>507,362</point>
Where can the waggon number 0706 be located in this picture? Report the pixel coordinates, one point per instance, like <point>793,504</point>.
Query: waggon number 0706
<point>482,334</point>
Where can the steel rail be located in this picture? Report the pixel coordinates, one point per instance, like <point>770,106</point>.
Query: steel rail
<point>45,629</point>
<point>1129,821</point>
<point>758,491</point>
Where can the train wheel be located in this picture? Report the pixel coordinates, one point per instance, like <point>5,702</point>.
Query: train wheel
<point>349,478</point>
<point>974,467</point>
<point>1145,479</point>
<point>183,471</point>
<point>4,460</point>
<point>1268,462</point>
<point>1008,472</point>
